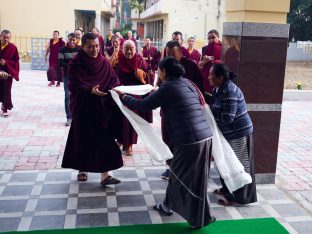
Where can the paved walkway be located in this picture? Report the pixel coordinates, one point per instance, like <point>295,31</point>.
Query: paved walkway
<point>36,194</point>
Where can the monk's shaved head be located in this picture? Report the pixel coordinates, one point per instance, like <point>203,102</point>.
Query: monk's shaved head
<point>5,37</point>
<point>5,32</point>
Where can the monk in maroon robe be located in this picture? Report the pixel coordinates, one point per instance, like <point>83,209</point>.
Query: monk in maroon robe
<point>131,70</point>
<point>91,145</point>
<point>192,72</point>
<point>113,52</point>
<point>176,36</point>
<point>210,55</point>
<point>96,31</point>
<point>54,72</point>
<point>193,53</point>
<point>9,63</point>
<point>108,42</point>
<point>131,37</point>
<point>151,55</point>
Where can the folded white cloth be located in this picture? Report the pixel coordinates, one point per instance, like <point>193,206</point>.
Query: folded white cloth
<point>158,150</point>
<point>230,168</point>
<point>135,89</point>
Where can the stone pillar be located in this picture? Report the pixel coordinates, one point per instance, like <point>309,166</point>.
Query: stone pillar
<point>255,38</point>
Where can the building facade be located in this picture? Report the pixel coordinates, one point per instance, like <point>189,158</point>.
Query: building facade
<point>42,17</point>
<point>191,17</point>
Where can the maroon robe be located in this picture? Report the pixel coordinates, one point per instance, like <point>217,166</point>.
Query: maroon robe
<point>192,72</point>
<point>212,49</point>
<point>54,72</point>
<point>125,73</point>
<point>110,51</point>
<point>108,43</point>
<point>11,57</point>
<point>195,56</point>
<point>91,142</point>
<point>152,64</point>
<point>102,43</point>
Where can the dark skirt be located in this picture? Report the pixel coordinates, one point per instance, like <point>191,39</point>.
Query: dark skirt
<point>186,193</point>
<point>5,93</point>
<point>243,148</point>
<point>91,147</point>
<point>54,73</point>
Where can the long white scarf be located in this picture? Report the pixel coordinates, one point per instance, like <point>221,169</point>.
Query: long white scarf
<point>229,167</point>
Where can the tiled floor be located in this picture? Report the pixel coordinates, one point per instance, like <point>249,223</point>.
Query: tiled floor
<point>51,199</point>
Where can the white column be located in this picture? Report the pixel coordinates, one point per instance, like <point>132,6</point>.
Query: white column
<point>98,20</point>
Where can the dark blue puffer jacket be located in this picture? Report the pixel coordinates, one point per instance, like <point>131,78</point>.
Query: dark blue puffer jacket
<point>184,121</point>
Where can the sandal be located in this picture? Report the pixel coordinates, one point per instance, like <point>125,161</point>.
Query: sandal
<point>109,180</point>
<point>218,191</point>
<point>128,152</point>
<point>159,208</point>
<point>82,176</point>
<point>225,202</point>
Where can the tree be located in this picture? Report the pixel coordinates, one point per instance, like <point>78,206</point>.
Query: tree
<point>300,20</point>
<point>138,5</point>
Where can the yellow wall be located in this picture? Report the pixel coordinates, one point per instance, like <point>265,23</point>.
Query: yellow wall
<point>42,17</point>
<point>264,11</point>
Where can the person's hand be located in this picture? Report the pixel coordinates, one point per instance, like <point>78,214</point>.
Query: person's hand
<point>96,91</point>
<point>206,59</point>
<point>116,49</point>
<point>2,62</point>
<point>4,75</point>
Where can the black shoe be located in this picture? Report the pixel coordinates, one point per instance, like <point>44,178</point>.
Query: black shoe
<point>159,208</point>
<point>110,180</point>
<point>165,175</point>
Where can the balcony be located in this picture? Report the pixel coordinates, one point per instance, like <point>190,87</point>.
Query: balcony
<point>159,8</point>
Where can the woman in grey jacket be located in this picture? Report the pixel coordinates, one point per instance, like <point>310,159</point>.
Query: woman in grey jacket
<point>190,135</point>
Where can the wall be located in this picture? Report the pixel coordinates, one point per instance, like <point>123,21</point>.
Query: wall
<point>42,17</point>
<point>192,18</point>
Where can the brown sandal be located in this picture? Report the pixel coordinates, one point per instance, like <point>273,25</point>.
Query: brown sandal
<point>82,176</point>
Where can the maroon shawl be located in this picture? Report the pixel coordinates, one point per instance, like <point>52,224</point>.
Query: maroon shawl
<point>127,67</point>
<point>195,56</point>
<point>54,52</point>
<point>151,52</point>
<point>212,49</point>
<point>11,57</point>
<point>102,43</point>
<point>84,73</point>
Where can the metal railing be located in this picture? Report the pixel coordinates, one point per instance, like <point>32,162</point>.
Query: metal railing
<point>306,46</point>
<point>24,46</point>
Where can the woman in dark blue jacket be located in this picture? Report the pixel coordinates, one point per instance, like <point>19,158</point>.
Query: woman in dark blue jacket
<point>230,112</point>
<point>190,135</point>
